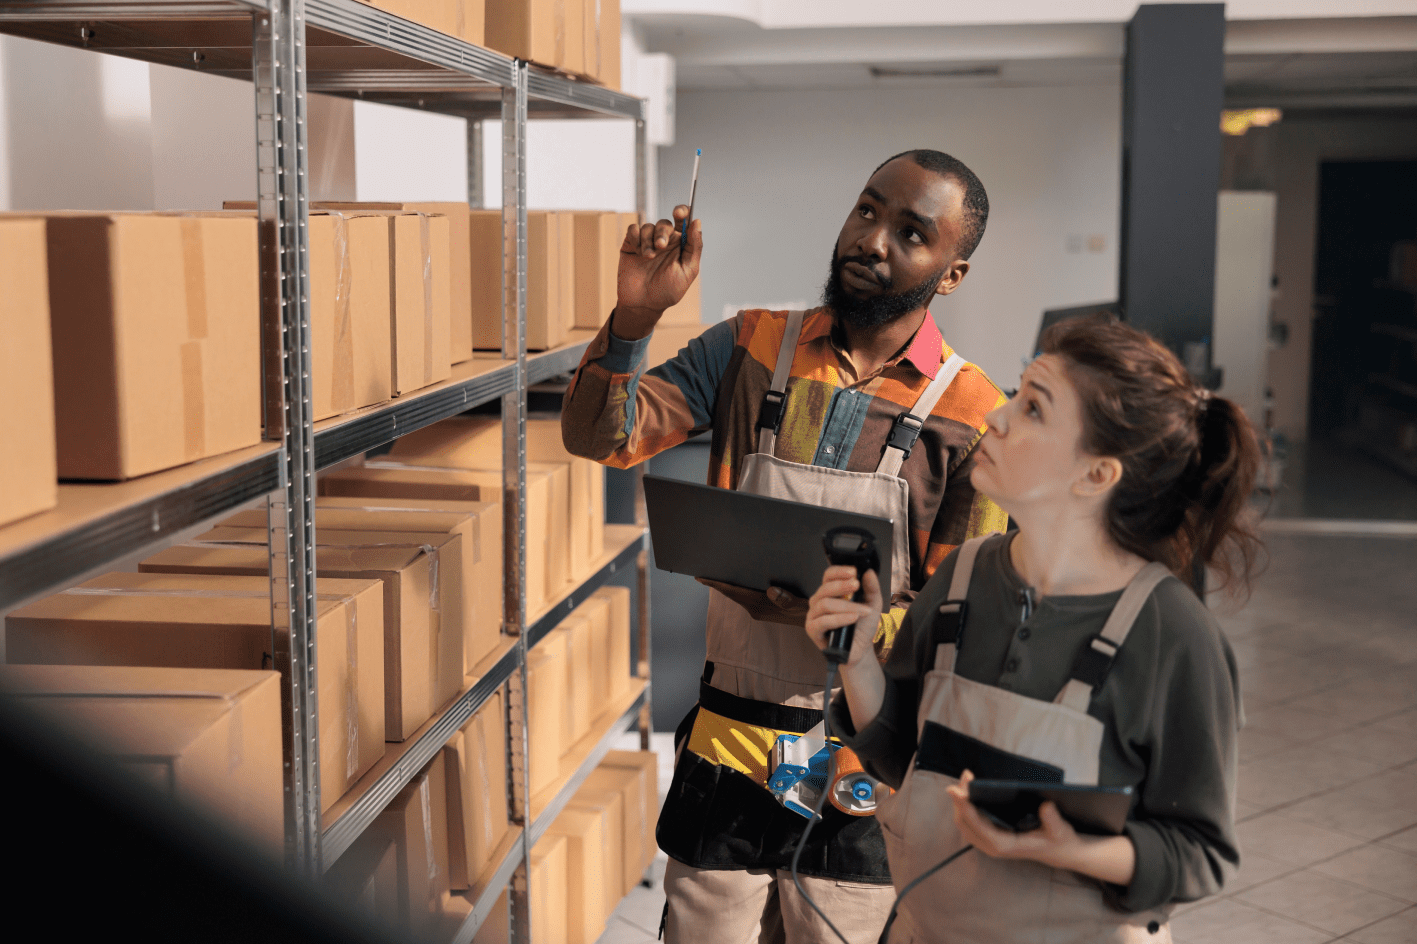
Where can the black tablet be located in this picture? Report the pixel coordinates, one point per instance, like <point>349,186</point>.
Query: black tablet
<point>750,540</point>
<point>1013,804</point>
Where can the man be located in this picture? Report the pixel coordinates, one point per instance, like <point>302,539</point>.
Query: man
<point>870,412</point>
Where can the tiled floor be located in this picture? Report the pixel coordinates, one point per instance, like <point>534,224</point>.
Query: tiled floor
<point>1327,649</point>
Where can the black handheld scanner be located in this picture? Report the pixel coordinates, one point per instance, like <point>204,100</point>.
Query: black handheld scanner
<point>850,547</point>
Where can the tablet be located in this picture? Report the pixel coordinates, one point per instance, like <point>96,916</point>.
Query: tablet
<point>749,540</point>
<point>1013,804</point>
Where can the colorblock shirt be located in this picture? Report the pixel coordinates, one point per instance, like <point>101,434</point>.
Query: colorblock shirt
<point>620,415</point>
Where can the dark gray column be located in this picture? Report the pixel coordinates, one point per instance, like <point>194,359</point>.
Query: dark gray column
<point>1173,88</point>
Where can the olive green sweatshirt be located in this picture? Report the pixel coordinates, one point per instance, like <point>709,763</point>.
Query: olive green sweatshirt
<point>1170,706</point>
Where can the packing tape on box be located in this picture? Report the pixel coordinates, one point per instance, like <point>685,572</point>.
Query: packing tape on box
<point>194,275</point>
<point>351,642</point>
<point>342,391</point>
<point>483,779</point>
<point>351,691</point>
<point>428,549</point>
<point>425,246</point>
<point>426,801</point>
<point>476,535</point>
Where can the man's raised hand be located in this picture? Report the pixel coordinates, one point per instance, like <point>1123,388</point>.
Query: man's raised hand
<point>656,269</point>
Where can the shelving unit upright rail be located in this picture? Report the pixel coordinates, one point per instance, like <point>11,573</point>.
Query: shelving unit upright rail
<point>287,49</point>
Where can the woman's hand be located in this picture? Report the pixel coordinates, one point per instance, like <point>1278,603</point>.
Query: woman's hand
<point>831,608</point>
<point>1055,843</point>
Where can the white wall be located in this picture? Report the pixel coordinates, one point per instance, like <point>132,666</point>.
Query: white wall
<point>781,171</point>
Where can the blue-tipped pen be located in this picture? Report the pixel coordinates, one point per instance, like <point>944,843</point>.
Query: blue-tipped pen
<point>693,190</point>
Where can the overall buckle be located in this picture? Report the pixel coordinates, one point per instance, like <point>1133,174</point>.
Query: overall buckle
<point>771,412</point>
<point>904,432</point>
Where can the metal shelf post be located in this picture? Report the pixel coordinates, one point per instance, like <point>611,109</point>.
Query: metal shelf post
<point>514,274</point>
<point>278,68</point>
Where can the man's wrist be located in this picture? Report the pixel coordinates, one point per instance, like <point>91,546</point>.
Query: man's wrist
<point>633,324</point>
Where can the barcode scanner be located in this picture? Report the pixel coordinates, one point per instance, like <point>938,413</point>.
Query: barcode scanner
<point>850,547</point>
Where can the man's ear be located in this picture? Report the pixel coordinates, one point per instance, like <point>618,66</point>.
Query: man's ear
<point>1102,475</point>
<point>953,276</point>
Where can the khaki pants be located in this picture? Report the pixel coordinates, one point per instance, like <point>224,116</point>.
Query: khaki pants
<point>761,906</point>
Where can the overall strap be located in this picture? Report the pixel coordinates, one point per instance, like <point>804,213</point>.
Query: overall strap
<point>909,424</point>
<point>1095,660</point>
<point>949,620</point>
<point>775,400</point>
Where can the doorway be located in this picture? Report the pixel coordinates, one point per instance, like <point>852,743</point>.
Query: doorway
<point>1363,386</point>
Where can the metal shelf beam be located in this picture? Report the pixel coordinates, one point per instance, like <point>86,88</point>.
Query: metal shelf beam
<point>342,833</point>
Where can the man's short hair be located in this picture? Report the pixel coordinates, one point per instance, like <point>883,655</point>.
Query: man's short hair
<point>976,201</point>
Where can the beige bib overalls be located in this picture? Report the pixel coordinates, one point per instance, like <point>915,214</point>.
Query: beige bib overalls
<point>776,664</point>
<point>977,899</point>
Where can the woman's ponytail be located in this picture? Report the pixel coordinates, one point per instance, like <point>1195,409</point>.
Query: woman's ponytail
<point>1189,458</point>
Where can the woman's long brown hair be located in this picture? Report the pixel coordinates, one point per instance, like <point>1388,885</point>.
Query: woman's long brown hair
<point>1189,458</point>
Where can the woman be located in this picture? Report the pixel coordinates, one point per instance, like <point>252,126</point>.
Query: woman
<point>1081,656</point>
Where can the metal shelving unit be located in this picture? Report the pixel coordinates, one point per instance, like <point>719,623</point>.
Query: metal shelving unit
<point>287,49</point>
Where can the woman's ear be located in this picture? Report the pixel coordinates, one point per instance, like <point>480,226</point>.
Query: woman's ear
<point>1103,473</point>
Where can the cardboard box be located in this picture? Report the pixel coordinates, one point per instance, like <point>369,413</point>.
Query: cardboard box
<point>609,43</point>
<point>587,493</point>
<point>497,926</point>
<point>476,442</point>
<point>443,601</point>
<point>442,15</point>
<point>572,37</point>
<point>27,464</point>
<point>689,311</point>
<point>416,821</point>
<point>525,29</point>
<point>546,315</point>
<point>155,326</point>
<point>478,620</point>
<point>473,22</point>
<point>185,621</point>
<point>547,890</point>
<point>366,878</point>
<point>485,258</point>
<point>615,791</point>
<point>546,707</point>
<point>459,265</point>
<point>477,787</point>
<point>578,714</point>
<point>410,626</point>
<point>609,806</point>
<point>420,260</point>
<point>565,278</point>
<point>598,237</point>
<point>204,736</point>
<point>596,613</point>
<point>620,669</point>
<point>641,801</point>
<point>351,349</point>
<point>441,492</point>
<point>586,835</point>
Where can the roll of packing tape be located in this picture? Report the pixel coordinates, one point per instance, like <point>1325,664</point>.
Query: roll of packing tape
<point>854,791</point>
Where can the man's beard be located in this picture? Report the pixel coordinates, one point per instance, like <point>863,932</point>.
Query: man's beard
<point>876,310</point>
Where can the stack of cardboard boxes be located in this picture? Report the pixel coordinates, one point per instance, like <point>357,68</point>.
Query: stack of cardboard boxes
<point>572,259</point>
<point>577,676</point>
<point>461,459</point>
<point>581,37</point>
<point>606,838</point>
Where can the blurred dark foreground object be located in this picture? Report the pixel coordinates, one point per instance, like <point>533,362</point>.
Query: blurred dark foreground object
<point>101,856</point>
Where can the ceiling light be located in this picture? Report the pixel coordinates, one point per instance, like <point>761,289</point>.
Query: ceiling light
<point>1237,121</point>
